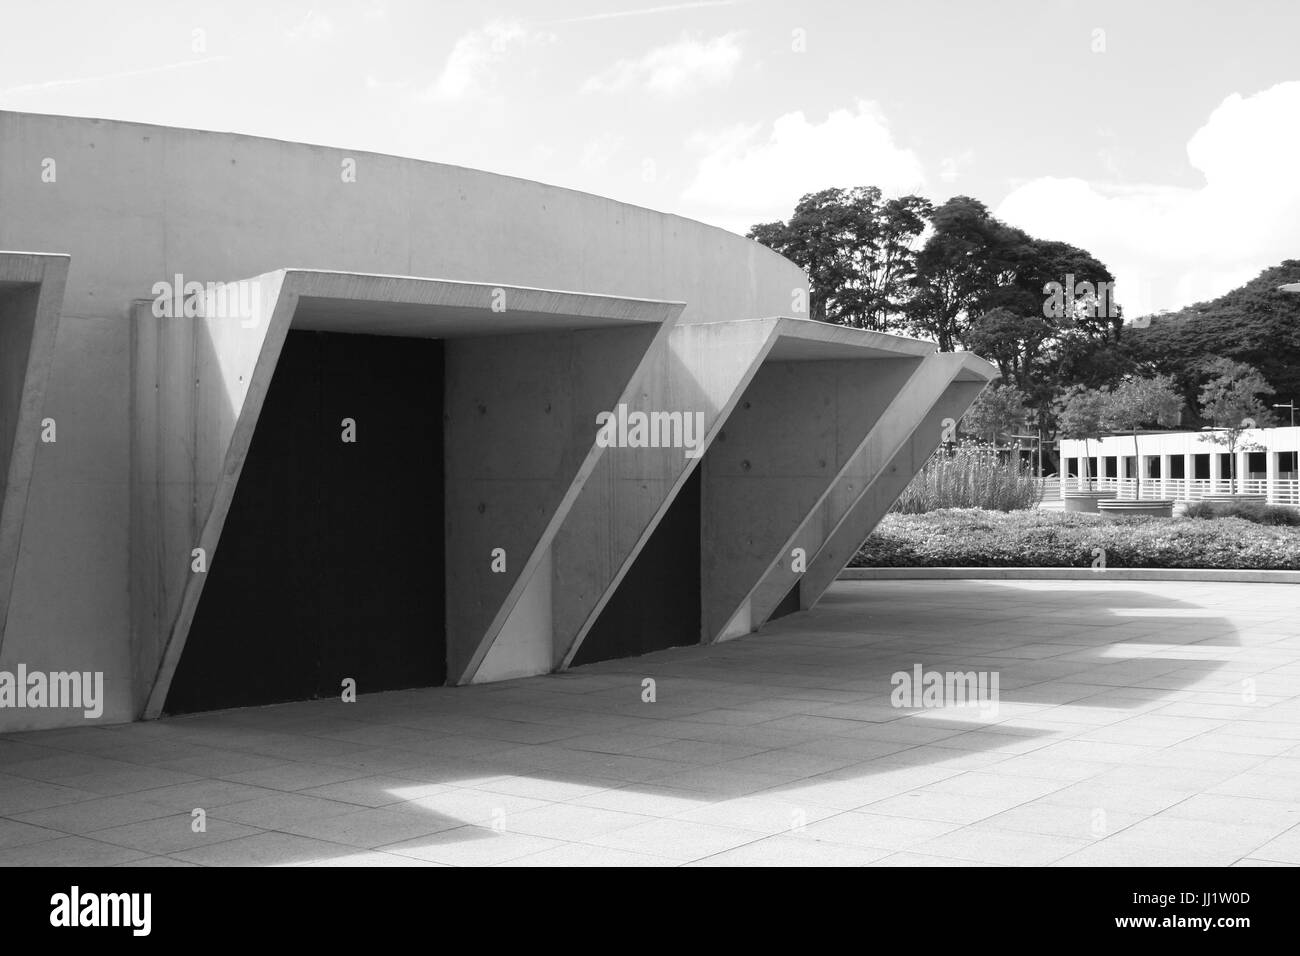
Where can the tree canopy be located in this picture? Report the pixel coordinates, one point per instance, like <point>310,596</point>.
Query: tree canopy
<point>1042,310</point>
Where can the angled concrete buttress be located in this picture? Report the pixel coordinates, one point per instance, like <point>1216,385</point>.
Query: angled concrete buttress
<point>866,513</point>
<point>798,425</point>
<point>200,382</point>
<point>521,416</point>
<point>790,368</point>
<point>31,301</point>
<point>909,431</point>
<point>702,369</point>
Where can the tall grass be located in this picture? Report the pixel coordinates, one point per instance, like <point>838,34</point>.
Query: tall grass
<point>970,476</point>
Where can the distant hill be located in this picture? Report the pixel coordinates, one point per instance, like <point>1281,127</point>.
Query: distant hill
<point>1255,324</point>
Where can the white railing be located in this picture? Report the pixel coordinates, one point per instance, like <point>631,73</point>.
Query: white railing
<point>1280,491</point>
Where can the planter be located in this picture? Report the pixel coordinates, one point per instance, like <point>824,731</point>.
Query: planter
<point>1085,500</point>
<point>1149,507</point>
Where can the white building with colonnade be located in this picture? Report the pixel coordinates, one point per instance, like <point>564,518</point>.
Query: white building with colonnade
<point>1186,465</point>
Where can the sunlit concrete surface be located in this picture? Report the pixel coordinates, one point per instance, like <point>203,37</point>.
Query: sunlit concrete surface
<point>1138,723</point>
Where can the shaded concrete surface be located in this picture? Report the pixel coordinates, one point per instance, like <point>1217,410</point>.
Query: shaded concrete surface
<point>31,297</point>
<point>1139,723</point>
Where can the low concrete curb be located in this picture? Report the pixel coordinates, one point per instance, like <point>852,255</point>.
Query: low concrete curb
<point>1071,574</point>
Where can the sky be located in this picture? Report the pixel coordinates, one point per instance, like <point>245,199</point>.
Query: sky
<point>1163,137</point>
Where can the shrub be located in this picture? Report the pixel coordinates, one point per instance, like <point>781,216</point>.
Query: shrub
<point>972,538</point>
<point>971,476</point>
<point>1253,511</point>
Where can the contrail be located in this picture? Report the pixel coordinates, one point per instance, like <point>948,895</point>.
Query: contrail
<point>52,84</point>
<point>645,11</point>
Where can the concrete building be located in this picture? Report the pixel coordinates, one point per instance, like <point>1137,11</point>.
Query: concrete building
<point>1187,465</point>
<point>275,418</point>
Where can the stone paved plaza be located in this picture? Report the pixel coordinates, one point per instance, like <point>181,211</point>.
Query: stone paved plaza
<point>1138,723</point>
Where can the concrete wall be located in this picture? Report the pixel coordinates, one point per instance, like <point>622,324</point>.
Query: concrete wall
<point>796,426</point>
<point>829,532</point>
<point>520,419</point>
<point>135,205</point>
<point>156,414</point>
<point>191,380</point>
<point>864,513</point>
<point>31,293</point>
<point>200,384</point>
<point>705,369</point>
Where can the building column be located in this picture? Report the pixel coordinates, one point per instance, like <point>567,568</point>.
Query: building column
<point>1189,474</point>
<point>1270,473</point>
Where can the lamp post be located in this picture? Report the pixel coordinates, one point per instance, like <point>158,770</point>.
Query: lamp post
<point>1291,287</point>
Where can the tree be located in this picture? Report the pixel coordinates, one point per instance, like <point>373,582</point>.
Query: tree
<point>1021,345</point>
<point>858,249</point>
<point>817,238</point>
<point>1036,331</point>
<point>1230,402</point>
<point>1255,324</point>
<point>997,410</point>
<point>1137,402</point>
<point>1080,413</point>
<point>957,269</point>
<point>887,258</point>
<point>1012,341</point>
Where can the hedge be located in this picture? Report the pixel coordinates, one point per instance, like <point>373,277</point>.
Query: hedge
<point>974,538</point>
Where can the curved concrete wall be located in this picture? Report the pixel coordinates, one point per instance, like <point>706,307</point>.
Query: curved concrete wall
<point>135,205</point>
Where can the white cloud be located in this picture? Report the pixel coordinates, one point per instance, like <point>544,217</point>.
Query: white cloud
<point>1171,246</point>
<point>471,66</point>
<point>597,153</point>
<point>313,28</point>
<point>375,85</point>
<point>541,153</point>
<point>682,67</point>
<point>749,177</point>
<point>951,167</point>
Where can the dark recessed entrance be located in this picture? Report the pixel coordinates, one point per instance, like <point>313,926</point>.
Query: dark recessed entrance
<point>789,604</point>
<point>657,604</point>
<point>330,563</point>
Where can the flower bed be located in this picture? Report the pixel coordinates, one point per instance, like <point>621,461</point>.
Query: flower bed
<point>974,538</point>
